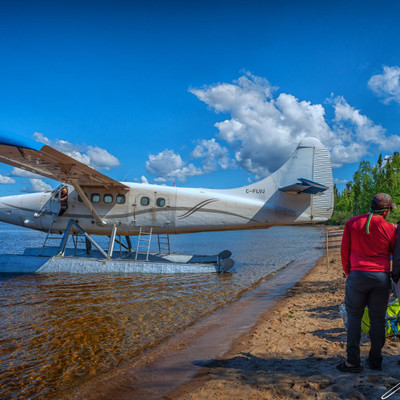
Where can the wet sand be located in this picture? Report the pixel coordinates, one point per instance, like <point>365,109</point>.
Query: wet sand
<point>155,373</point>
<point>293,350</point>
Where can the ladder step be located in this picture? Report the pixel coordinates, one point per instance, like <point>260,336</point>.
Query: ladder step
<point>163,244</point>
<point>143,243</point>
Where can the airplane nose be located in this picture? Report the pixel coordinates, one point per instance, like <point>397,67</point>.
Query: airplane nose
<point>5,211</point>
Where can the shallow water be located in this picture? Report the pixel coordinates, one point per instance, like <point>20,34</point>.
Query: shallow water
<point>56,331</point>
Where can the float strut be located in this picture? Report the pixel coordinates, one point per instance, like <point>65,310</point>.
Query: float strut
<point>112,241</point>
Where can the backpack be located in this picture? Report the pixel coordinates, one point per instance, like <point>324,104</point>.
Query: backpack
<point>392,326</point>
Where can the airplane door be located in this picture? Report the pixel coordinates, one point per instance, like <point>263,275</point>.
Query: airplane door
<point>153,209</point>
<point>164,210</point>
<point>51,205</point>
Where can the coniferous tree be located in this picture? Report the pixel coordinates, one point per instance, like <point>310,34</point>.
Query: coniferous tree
<point>368,180</point>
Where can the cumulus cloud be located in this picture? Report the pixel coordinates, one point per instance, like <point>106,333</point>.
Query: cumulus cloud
<point>94,156</point>
<point>37,185</point>
<point>359,132</point>
<point>5,180</point>
<point>213,154</point>
<point>387,84</point>
<point>168,166</point>
<point>264,128</point>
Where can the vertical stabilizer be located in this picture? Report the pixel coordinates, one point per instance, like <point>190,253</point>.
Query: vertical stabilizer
<point>310,161</point>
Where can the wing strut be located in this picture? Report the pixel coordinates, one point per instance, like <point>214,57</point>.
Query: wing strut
<point>88,204</point>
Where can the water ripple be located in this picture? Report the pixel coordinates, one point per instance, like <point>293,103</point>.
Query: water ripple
<point>56,331</point>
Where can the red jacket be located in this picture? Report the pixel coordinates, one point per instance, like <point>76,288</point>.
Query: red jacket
<point>363,252</point>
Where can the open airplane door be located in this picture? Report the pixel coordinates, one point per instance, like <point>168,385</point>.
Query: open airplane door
<point>51,206</point>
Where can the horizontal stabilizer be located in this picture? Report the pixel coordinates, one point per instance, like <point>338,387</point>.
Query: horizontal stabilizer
<point>305,186</point>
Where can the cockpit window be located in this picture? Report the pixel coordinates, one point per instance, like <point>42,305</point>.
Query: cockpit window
<point>95,198</point>
<point>144,201</point>
<point>108,198</point>
<point>120,198</point>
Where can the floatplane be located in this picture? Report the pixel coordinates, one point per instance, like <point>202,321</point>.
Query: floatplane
<point>88,203</point>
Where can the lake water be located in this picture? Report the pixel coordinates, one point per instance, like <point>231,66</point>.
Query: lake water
<point>56,331</point>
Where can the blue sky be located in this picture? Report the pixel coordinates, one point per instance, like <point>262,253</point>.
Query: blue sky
<point>211,93</point>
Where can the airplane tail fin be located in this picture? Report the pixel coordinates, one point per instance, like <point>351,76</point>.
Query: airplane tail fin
<point>309,172</point>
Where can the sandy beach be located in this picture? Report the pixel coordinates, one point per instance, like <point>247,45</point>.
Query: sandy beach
<point>292,352</point>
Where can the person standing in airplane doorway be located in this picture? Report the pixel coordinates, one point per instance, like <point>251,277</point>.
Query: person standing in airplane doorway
<point>63,201</point>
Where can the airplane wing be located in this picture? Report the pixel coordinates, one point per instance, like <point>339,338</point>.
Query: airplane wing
<point>50,163</point>
<point>304,186</point>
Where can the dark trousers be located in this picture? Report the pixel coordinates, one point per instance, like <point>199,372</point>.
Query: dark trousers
<point>366,289</point>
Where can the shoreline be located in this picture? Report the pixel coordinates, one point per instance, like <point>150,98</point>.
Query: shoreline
<point>180,359</point>
<point>293,350</point>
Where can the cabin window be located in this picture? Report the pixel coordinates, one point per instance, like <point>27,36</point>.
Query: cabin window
<point>108,198</point>
<point>80,198</point>
<point>160,202</point>
<point>144,201</point>
<point>120,198</point>
<point>95,198</point>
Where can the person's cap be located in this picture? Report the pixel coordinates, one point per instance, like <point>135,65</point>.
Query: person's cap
<point>382,201</point>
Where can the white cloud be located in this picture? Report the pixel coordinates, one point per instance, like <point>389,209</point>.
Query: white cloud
<point>39,137</point>
<point>18,172</point>
<point>101,158</point>
<point>387,84</point>
<point>168,166</point>
<point>37,185</point>
<point>94,156</point>
<point>337,181</point>
<point>143,179</point>
<point>213,154</point>
<point>265,129</point>
<point>359,132</point>
<point>5,180</point>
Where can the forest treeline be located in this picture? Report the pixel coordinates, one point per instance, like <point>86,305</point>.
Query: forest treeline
<point>368,180</point>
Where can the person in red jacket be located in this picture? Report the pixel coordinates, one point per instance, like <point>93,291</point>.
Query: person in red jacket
<point>367,244</point>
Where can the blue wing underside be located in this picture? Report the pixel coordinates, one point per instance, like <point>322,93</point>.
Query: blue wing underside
<point>50,163</point>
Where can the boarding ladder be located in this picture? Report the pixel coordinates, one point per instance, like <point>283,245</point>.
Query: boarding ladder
<point>49,237</point>
<point>163,244</point>
<point>144,242</point>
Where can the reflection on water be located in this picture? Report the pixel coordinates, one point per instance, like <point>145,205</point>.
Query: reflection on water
<point>56,331</point>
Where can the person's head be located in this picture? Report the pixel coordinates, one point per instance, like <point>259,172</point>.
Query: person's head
<point>382,204</point>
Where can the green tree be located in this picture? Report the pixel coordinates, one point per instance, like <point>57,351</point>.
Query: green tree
<point>368,180</point>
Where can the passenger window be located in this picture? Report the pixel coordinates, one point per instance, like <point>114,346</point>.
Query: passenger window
<point>161,202</point>
<point>108,198</point>
<point>120,198</point>
<point>144,201</point>
<point>95,197</point>
<point>80,199</point>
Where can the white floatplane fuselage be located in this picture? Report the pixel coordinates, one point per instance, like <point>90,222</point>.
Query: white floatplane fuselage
<point>300,192</point>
